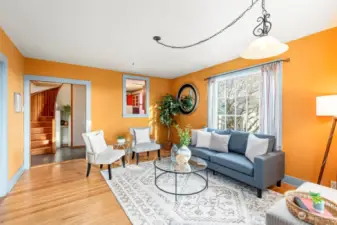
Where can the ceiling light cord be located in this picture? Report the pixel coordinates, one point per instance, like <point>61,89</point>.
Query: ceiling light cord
<point>258,29</point>
<point>264,26</point>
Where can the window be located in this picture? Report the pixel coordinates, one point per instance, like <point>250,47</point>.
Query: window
<point>236,102</point>
<point>248,100</point>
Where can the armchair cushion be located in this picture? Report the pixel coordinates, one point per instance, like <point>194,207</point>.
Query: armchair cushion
<point>142,135</point>
<point>235,162</point>
<point>145,147</point>
<point>109,156</point>
<point>97,143</point>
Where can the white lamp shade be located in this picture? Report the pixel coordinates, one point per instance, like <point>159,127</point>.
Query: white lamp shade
<point>264,47</point>
<point>326,105</point>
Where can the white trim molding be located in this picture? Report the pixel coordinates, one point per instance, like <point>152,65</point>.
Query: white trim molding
<point>147,82</point>
<point>3,125</point>
<point>294,181</point>
<point>15,178</point>
<point>27,79</point>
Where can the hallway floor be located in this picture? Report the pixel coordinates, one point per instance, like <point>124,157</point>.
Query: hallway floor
<point>62,154</point>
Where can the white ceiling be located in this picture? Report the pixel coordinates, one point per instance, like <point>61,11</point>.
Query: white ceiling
<point>114,34</point>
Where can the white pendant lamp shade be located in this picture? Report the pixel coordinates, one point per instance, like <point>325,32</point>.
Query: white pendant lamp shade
<point>264,47</point>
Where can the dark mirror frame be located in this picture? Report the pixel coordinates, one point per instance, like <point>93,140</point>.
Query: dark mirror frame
<point>194,89</point>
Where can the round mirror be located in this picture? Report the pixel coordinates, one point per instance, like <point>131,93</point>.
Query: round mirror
<point>188,97</point>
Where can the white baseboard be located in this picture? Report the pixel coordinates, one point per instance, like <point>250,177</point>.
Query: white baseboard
<point>15,178</point>
<point>294,181</point>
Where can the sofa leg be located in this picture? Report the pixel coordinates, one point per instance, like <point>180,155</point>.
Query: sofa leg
<point>88,169</point>
<point>279,183</point>
<point>214,173</point>
<point>137,158</point>
<point>259,193</point>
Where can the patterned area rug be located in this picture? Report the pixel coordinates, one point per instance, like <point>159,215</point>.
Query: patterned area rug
<point>226,201</point>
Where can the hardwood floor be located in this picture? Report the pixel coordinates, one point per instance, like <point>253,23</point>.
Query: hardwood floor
<point>61,194</point>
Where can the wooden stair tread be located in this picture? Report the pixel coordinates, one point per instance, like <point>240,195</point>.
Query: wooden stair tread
<point>42,147</point>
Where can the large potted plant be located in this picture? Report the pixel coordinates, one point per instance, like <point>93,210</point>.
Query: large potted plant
<point>169,108</point>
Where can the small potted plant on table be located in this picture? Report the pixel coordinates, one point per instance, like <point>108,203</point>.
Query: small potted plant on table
<point>121,140</point>
<point>183,153</point>
<point>317,202</point>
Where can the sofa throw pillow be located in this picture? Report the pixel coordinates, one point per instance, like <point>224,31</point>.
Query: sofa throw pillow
<point>195,135</point>
<point>97,143</point>
<point>256,146</point>
<point>219,142</point>
<point>142,135</point>
<point>203,139</point>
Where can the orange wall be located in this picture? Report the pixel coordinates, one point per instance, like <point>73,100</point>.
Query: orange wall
<point>106,96</point>
<point>312,72</point>
<point>15,120</point>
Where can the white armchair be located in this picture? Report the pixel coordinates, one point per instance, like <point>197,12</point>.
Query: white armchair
<point>97,152</point>
<point>149,146</point>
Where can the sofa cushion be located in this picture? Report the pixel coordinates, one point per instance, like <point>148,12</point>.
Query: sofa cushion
<point>271,142</point>
<point>219,142</point>
<point>218,131</point>
<point>203,153</point>
<point>234,161</point>
<point>203,139</point>
<point>238,141</point>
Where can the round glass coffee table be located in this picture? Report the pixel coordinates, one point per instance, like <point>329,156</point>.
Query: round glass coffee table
<point>193,166</point>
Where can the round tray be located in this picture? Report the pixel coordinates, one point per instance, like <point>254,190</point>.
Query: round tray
<point>307,216</point>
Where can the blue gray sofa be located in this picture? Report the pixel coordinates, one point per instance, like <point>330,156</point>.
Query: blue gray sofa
<point>267,170</point>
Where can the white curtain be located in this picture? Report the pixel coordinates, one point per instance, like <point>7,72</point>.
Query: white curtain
<point>271,102</point>
<point>212,103</point>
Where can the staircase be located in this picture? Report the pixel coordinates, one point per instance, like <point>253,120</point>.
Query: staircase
<point>42,107</point>
<point>42,135</point>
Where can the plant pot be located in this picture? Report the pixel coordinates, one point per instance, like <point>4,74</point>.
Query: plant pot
<point>121,141</point>
<point>319,207</point>
<point>167,145</point>
<point>184,151</point>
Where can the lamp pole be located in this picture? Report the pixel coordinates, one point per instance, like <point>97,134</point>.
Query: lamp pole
<point>327,149</point>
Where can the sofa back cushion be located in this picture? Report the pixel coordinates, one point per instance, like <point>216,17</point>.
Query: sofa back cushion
<point>217,131</point>
<point>238,141</point>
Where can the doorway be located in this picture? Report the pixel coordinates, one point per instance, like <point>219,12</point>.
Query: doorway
<point>4,183</point>
<point>57,112</point>
<point>53,130</point>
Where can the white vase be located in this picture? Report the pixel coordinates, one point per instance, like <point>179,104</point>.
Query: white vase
<point>174,151</point>
<point>121,141</point>
<point>185,151</point>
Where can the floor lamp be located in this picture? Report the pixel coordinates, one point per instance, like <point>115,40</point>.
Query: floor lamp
<point>327,106</point>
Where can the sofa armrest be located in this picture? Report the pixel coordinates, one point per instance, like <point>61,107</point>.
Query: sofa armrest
<point>269,169</point>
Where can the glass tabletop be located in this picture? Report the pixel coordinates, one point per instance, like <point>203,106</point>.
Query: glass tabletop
<point>195,164</point>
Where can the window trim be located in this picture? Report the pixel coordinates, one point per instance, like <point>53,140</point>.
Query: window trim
<point>147,82</point>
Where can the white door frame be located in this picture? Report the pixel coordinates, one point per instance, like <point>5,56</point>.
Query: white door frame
<point>27,79</point>
<point>4,182</point>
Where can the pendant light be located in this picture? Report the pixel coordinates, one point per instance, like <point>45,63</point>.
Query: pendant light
<point>265,46</point>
